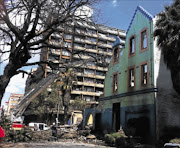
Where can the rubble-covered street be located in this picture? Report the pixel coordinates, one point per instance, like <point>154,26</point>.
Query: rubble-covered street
<point>50,145</point>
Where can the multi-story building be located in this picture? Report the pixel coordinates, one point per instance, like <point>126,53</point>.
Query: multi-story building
<point>90,47</point>
<point>13,101</point>
<point>138,95</point>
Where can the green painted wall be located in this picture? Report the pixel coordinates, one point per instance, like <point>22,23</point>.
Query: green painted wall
<point>140,22</point>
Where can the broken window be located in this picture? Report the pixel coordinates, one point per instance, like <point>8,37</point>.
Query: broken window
<point>144,72</point>
<point>116,55</point>
<point>131,78</point>
<point>132,45</point>
<point>115,83</point>
<point>144,40</point>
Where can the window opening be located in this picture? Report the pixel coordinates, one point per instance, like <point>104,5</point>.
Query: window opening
<point>144,74</point>
<point>131,78</point>
<point>132,45</point>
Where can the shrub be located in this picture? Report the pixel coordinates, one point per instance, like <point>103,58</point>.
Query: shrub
<point>176,140</point>
<point>111,138</point>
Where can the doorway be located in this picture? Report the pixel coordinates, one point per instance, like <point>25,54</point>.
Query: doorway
<point>116,117</point>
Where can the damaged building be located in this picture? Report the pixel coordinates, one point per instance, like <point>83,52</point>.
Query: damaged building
<point>138,95</point>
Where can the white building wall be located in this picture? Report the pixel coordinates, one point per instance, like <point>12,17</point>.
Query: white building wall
<point>167,100</point>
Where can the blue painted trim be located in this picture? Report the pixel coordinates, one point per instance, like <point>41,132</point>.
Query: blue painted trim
<point>144,12</point>
<point>129,94</point>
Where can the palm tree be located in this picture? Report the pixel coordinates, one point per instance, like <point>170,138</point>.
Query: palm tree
<point>168,39</point>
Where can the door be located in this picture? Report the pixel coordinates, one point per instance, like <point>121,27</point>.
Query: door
<point>116,117</point>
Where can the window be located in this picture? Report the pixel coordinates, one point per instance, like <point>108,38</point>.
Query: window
<point>91,39</point>
<point>115,82</point>
<point>116,55</point>
<point>131,78</point>
<point>67,36</point>
<point>132,45</point>
<point>67,44</point>
<point>144,74</point>
<point>144,39</point>
<point>91,31</point>
<point>90,46</point>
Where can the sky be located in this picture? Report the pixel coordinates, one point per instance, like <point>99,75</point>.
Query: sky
<point>118,13</point>
<point>113,13</point>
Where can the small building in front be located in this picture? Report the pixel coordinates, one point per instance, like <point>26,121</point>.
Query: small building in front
<point>138,95</point>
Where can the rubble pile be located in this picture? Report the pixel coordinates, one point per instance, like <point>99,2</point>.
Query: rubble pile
<point>68,133</point>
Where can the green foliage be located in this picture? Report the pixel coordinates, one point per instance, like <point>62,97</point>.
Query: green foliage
<point>23,135</point>
<point>46,100</point>
<point>176,140</point>
<point>5,123</point>
<point>111,138</point>
<point>78,104</point>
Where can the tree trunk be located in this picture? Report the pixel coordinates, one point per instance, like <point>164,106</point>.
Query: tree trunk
<point>66,102</point>
<point>9,72</point>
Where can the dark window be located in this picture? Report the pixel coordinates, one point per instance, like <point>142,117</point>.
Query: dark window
<point>115,83</point>
<point>144,72</point>
<point>144,39</point>
<point>116,55</point>
<point>132,45</point>
<point>131,78</point>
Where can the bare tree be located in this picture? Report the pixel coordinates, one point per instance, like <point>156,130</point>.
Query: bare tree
<point>25,27</point>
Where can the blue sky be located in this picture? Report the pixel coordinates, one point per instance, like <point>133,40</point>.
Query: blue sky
<point>114,13</point>
<point>118,13</point>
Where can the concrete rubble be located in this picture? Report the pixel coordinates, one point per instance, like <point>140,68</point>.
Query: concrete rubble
<point>69,133</point>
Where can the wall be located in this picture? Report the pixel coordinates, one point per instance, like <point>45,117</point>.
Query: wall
<point>167,100</point>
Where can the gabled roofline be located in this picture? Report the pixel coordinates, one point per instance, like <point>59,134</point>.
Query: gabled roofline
<point>144,12</point>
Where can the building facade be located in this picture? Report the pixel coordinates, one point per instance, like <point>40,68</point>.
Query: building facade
<point>90,52</point>
<point>138,94</point>
<point>13,101</point>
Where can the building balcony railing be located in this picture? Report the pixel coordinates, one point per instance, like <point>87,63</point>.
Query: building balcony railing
<point>106,38</point>
<point>55,52</point>
<point>104,45</point>
<point>55,43</point>
<point>81,57</point>
<point>90,84</point>
<point>80,92</point>
<point>91,76</point>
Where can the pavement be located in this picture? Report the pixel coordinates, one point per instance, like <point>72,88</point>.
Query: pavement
<point>50,145</point>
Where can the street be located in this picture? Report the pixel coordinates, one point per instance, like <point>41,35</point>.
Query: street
<point>50,145</point>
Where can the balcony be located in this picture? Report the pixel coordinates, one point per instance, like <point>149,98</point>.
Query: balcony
<point>90,84</point>
<point>104,37</point>
<point>84,57</point>
<point>53,51</point>
<point>91,76</point>
<point>104,45</point>
<point>79,92</point>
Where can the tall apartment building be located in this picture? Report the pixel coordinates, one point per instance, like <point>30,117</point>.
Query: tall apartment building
<point>13,101</point>
<point>90,42</point>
